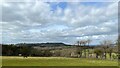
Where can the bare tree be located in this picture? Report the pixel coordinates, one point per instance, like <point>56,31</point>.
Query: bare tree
<point>88,41</point>
<point>105,45</point>
<point>84,42</point>
<point>98,52</point>
<point>79,48</point>
<point>78,43</point>
<point>110,51</point>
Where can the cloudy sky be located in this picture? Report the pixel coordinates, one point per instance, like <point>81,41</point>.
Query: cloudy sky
<point>66,22</point>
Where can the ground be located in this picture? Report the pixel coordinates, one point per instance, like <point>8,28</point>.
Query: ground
<point>54,61</point>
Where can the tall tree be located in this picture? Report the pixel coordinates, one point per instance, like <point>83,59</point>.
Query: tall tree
<point>79,49</point>
<point>84,42</point>
<point>105,45</point>
<point>78,43</point>
<point>88,41</point>
<point>98,52</point>
<point>110,51</point>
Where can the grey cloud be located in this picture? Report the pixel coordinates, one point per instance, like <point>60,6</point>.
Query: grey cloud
<point>35,22</point>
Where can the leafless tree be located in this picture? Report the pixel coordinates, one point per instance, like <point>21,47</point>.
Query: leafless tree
<point>105,45</point>
<point>78,43</point>
<point>88,41</point>
<point>79,48</point>
<point>84,42</point>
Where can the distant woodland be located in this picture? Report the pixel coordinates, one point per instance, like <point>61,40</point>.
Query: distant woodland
<point>82,49</point>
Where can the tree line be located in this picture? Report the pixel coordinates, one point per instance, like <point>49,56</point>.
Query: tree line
<point>106,48</point>
<point>81,50</point>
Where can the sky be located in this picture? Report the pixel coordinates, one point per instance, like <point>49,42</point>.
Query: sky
<point>67,22</point>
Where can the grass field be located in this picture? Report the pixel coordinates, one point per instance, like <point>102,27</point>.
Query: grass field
<point>55,61</point>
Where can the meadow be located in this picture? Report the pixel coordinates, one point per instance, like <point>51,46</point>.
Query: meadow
<point>54,61</point>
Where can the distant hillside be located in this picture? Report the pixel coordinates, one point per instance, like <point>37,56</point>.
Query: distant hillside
<point>47,44</point>
<point>42,44</point>
<point>52,44</point>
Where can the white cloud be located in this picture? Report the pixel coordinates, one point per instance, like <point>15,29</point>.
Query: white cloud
<point>36,22</point>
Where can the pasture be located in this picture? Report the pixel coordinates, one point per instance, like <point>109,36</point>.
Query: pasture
<point>54,61</point>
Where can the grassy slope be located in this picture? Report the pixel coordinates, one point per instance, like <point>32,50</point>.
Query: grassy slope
<point>55,61</point>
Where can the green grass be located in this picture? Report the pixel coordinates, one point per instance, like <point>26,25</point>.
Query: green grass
<point>55,61</point>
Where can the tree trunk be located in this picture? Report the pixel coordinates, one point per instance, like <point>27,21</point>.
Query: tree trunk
<point>110,55</point>
<point>88,49</point>
<point>88,53</point>
<point>81,53</point>
<point>96,55</point>
<point>84,51</point>
<point>105,55</point>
